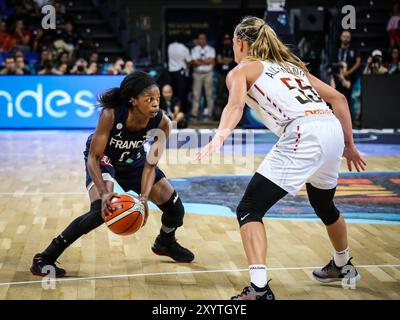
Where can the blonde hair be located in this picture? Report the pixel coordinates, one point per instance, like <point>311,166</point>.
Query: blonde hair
<point>264,43</point>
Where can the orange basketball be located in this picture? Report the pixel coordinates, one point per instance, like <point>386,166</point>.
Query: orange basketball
<point>127,215</point>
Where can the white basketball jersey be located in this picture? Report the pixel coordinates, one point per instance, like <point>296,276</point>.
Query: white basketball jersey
<point>279,96</point>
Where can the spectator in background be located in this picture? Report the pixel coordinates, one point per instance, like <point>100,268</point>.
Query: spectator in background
<point>48,69</point>
<point>93,57</point>
<point>351,57</point>
<point>63,57</point>
<point>338,80</point>
<point>31,12</point>
<point>22,36</point>
<point>6,40</point>
<point>20,64</point>
<point>79,67</point>
<point>203,58</point>
<point>172,106</point>
<point>129,67</point>
<point>62,69</point>
<point>393,65</point>
<point>93,68</point>
<point>67,40</point>
<point>374,64</point>
<point>349,54</point>
<point>44,56</point>
<point>393,26</point>
<point>10,68</point>
<point>178,61</point>
<point>41,39</point>
<point>225,64</point>
<point>117,66</point>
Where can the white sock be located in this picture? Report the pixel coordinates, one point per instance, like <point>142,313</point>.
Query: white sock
<point>341,257</point>
<point>258,275</point>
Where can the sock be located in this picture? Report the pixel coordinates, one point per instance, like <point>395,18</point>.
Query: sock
<point>342,257</point>
<point>167,236</point>
<point>258,275</point>
<point>55,249</point>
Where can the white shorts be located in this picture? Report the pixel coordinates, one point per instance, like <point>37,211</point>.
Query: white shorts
<point>310,150</point>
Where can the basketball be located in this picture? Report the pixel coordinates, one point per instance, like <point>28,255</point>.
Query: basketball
<point>127,216</point>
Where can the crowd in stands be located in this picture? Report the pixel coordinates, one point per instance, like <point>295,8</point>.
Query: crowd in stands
<point>26,48</point>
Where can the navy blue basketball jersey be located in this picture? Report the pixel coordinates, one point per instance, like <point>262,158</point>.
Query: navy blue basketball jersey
<point>125,147</point>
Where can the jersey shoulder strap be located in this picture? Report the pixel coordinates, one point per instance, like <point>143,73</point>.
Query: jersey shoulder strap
<point>120,115</point>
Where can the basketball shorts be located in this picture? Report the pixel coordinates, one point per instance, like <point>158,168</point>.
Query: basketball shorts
<point>129,177</point>
<point>309,150</point>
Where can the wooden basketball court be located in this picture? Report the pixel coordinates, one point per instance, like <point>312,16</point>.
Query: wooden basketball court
<point>42,190</point>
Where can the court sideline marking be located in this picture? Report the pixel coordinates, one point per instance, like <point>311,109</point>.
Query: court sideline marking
<point>47,279</point>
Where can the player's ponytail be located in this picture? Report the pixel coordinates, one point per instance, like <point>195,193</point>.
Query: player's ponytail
<point>264,43</point>
<point>110,99</point>
<point>132,85</point>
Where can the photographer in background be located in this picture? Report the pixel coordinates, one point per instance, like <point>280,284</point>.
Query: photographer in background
<point>80,67</point>
<point>374,64</point>
<point>338,79</point>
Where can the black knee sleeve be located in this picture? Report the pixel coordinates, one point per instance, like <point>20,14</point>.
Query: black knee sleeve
<point>322,202</point>
<point>260,195</point>
<point>172,212</point>
<point>84,224</point>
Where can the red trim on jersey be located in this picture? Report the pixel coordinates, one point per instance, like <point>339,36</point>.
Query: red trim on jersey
<point>259,90</point>
<point>252,98</point>
<point>298,138</point>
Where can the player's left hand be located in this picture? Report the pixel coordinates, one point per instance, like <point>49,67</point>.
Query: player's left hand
<point>353,157</point>
<point>214,146</point>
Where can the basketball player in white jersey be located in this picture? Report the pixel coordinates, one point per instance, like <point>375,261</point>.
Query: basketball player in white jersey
<point>292,104</point>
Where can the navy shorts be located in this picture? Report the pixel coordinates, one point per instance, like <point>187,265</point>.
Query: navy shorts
<point>129,177</point>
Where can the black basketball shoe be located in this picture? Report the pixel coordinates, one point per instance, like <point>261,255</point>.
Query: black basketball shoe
<point>252,292</point>
<point>171,248</point>
<point>331,272</point>
<point>42,267</point>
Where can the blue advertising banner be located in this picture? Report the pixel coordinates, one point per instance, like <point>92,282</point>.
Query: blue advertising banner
<point>52,102</point>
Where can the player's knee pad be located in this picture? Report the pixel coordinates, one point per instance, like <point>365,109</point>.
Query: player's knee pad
<point>172,212</point>
<point>260,195</point>
<point>246,213</point>
<point>322,202</point>
<point>92,219</point>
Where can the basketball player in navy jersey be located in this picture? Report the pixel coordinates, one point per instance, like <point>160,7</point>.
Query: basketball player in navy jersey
<point>116,152</point>
<point>292,104</point>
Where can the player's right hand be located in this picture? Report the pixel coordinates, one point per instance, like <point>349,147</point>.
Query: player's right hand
<point>143,200</point>
<point>106,209</point>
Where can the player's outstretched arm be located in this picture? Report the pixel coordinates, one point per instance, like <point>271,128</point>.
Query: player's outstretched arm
<point>232,113</point>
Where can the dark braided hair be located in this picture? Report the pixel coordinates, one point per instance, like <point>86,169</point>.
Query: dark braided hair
<point>132,85</point>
